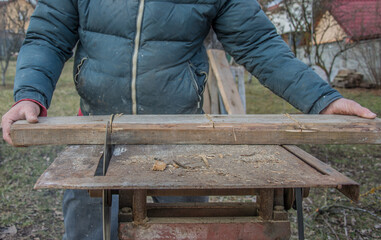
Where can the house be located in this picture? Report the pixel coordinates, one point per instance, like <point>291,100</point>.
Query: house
<point>357,24</point>
<point>347,32</point>
<point>353,20</point>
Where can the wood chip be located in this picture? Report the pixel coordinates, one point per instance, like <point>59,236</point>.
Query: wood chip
<point>205,160</point>
<point>159,166</point>
<point>179,164</point>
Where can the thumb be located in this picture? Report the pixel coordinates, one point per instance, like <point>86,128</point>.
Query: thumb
<point>31,115</point>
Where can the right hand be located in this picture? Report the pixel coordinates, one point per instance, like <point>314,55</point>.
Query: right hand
<point>25,110</point>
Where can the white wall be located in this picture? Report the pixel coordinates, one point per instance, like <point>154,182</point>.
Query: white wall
<point>351,59</point>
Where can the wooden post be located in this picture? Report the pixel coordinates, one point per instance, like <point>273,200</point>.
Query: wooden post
<point>266,203</point>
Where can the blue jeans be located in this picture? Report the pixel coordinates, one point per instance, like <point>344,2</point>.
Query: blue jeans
<point>83,214</point>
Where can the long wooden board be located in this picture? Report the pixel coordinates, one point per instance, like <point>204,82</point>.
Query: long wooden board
<point>200,129</point>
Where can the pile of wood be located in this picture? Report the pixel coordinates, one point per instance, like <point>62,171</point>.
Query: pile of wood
<point>348,78</point>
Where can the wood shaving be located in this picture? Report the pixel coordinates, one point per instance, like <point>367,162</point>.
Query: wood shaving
<point>159,166</point>
<point>205,160</point>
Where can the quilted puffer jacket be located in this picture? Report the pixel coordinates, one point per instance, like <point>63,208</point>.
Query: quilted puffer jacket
<point>147,56</point>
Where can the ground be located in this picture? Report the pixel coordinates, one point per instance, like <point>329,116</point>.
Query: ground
<point>29,214</point>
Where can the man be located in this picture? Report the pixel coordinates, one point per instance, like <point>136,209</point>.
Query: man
<point>147,57</point>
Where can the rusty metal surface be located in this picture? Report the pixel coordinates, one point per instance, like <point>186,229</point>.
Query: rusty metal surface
<point>245,228</point>
<point>202,167</point>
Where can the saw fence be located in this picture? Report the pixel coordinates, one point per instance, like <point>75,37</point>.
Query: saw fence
<point>198,155</point>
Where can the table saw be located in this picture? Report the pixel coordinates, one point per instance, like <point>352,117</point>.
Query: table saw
<point>194,161</point>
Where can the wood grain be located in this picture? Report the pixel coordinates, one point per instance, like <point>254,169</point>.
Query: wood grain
<point>206,104</point>
<point>213,93</point>
<point>232,167</point>
<point>226,83</point>
<point>351,189</point>
<point>200,129</point>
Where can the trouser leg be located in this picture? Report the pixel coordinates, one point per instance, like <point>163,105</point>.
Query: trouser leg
<point>83,216</point>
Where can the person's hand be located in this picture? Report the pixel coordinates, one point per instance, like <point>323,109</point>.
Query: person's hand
<point>25,110</point>
<point>348,107</point>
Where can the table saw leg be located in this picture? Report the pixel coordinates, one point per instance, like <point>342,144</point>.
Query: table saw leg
<point>279,199</point>
<point>139,206</point>
<point>299,209</point>
<point>266,203</point>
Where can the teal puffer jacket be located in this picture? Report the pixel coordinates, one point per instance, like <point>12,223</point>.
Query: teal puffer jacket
<point>147,56</point>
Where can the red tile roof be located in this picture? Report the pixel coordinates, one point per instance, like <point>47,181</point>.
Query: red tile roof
<point>360,19</point>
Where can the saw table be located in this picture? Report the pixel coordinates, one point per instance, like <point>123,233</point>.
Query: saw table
<point>275,174</point>
<point>269,171</point>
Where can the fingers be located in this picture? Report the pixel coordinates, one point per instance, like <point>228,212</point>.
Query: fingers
<point>348,107</point>
<point>6,125</point>
<point>24,110</point>
<point>366,113</point>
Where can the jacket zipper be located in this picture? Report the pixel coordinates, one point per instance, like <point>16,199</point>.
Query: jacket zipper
<point>195,84</point>
<point>139,20</point>
<point>79,68</point>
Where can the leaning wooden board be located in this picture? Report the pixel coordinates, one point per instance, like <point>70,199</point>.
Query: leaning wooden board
<point>225,81</point>
<point>200,129</point>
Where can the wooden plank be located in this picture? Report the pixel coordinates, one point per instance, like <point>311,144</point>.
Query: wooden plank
<point>213,92</point>
<point>200,129</point>
<point>345,185</point>
<point>206,97</point>
<point>230,167</point>
<point>225,81</point>
<point>77,162</point>
<point>239,73</point>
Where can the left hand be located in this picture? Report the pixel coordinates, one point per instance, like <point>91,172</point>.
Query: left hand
<point>345,106</point>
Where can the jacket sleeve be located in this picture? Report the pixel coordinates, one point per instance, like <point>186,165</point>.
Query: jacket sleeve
<point>249,36</point>
<point>49,41</point>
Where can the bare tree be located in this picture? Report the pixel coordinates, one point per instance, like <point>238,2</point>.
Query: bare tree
<point>299,14</point>
<point>329,39</point>
<point>304,16</point>
<point>264,4</point>
<point>14,16</point>
<point>368,54</point>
